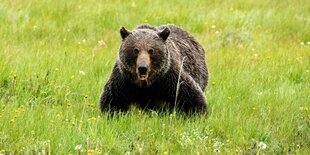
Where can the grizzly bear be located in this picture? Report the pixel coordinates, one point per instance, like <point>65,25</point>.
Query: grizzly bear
<point>157,68</point>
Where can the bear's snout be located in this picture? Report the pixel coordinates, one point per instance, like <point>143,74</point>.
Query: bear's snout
<point>142,68</point>
<point>143,65</point>
<point>142,71</point>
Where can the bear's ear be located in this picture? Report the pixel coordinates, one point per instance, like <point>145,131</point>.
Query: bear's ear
<point>164,34</point>
<point>124,32</point>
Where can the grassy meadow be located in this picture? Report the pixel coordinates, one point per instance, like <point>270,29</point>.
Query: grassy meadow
<point>56,55</point>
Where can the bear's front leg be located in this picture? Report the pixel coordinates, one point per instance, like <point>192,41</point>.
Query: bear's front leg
<point>190,97</point>
<point>111,101</point>
<point>113,97</point>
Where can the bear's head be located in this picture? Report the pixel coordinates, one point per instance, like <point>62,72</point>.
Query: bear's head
<point>144,54</point>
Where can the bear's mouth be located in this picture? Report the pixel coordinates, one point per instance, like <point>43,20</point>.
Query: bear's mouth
<point>142,77</point>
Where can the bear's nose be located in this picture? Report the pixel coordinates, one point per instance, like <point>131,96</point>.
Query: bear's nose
<point>142,68</point>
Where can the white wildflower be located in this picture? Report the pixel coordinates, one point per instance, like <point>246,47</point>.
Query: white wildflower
<point>216,150</point>
<point>262,145</point>
<point>127,153</point>
<point>302,43</point>
<point>78,147</point>
<point>213,26</point>
<point>82,72</point>
<point>101,43</point>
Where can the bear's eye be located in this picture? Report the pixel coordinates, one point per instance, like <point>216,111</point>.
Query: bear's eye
<point>136,51</point>
<point>151,51</point>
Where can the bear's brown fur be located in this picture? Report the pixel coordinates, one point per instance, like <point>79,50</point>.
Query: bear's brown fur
<point>157,67</point>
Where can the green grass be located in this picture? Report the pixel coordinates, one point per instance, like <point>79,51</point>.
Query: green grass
<point>259,88</point>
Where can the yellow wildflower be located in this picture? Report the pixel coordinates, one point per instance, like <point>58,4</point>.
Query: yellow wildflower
<point>91,104</point>
<point>90,152</point>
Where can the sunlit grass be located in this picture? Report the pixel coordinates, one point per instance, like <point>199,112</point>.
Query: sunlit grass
<point>57,55</point>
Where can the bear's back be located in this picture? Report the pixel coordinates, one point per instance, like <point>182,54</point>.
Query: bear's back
<point>189,49</point>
